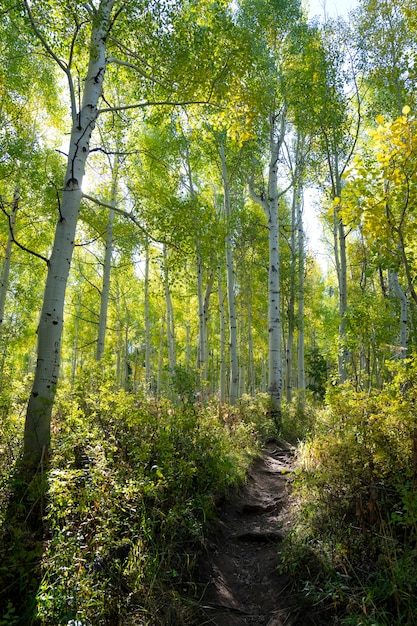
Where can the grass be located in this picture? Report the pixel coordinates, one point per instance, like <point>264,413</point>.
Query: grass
<point>125,506</point>
<point>353,549</point>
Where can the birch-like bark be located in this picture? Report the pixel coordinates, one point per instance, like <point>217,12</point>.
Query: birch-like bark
<point>105,288</point>
<point>234,366</point>
<point>301,377</point>
<point>38,416</point>
<point>160,358</point>
<point>291,300</point>
<point>339,238</point>
<point>206,313</point>
<point>274,295</point>
<point>270,206</point>
<point>74,361</point>
<point>222,332</point>
<point>251,364</point>
<point>172,358</point>
<point>202,335</point>
<point>202,348</point>
<point>148,372</point>
<point>4,282</point>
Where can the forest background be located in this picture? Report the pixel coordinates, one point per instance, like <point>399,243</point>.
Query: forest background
<point>161,312</point>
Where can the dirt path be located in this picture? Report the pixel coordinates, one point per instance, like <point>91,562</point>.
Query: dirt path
<point>239,572</point>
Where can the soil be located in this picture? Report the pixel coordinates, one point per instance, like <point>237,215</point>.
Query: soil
<point>240,570</point>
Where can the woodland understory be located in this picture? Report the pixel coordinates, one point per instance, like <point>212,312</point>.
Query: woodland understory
<point>207,240</point>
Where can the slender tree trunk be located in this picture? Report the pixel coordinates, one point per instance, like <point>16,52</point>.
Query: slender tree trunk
<point>251,365</point>
<point>339,236</point>
<point>4,282</point>
<point>396,287</point>
<point>172,358</point>
<point>105,288</point>
<point>160,358</point>
<point>148,372</point>
<point>291,300</point>
<point>274,295</point>
<point>38,416</point>
<point>206,314</point>
<point>301,377</point>
<point>222,331</point>
<point>74,362</point>
<point>234,366</point>
<point>270,206</point>
<point>202,345</point>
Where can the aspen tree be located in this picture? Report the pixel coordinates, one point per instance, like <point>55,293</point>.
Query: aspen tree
<point>38,417</point>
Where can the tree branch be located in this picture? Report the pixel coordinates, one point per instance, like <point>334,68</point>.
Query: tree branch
<point>132,218</point>
<point>134,67</point>
<point>19,245</point>
<point>142,105</point>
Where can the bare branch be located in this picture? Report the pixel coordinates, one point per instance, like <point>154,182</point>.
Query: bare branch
<point>19,245</point>
<point>134,67</point>
<point>143,105</point>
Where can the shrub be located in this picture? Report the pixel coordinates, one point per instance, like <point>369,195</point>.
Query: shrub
<point>131,488</point>
<point>356,504</point>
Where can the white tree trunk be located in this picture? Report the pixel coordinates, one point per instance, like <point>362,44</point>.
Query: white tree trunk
<point>38,417</point>
<point>74,362</point>
<point>105,288</point>
<point>4,282</point>
<point>222,331</point>
<point>172,358</point>
<point>234,366</point>
<point>148,372</point>
<point>274,296</point>
<point>301,376</point>
<point>160,358</point>
<point>270,206</point>
<point>289,352</point>
<point>251,364</point>
<point>202,334</point>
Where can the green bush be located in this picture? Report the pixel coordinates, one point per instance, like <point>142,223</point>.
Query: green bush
<point>131,488</point>
<point>356,498</point>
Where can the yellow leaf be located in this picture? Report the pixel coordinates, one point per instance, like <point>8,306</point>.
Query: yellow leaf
<point>406,110</point>
<point>380,119</point>
<point>336,201</point>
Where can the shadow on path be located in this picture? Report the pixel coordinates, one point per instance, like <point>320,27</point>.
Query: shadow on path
<point>240,570</point>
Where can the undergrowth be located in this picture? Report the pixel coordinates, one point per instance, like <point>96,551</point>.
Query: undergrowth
<point>131,486</point>
<point>353,550</point>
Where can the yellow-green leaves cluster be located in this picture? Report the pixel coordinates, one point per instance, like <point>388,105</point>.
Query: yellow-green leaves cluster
<point>380,190</point>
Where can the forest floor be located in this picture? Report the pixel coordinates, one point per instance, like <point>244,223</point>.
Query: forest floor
<point>239,571</point>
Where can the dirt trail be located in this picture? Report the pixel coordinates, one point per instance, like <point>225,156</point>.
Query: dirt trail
<point>239,572</point>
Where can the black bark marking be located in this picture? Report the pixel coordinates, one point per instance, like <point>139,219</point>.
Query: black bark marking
<point>72,183</point>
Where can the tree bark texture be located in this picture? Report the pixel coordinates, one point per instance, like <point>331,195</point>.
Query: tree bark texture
<point>234,366</point>
<point>39,410</point>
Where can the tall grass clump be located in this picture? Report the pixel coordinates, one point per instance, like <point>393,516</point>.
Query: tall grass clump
<point>355,538</point>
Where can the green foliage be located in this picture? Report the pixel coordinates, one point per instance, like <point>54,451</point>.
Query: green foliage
<point>357,517</point>
<point>299,416</point>
<point>316,369</point>
<point>184,382</point>
<point>131,488</point>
